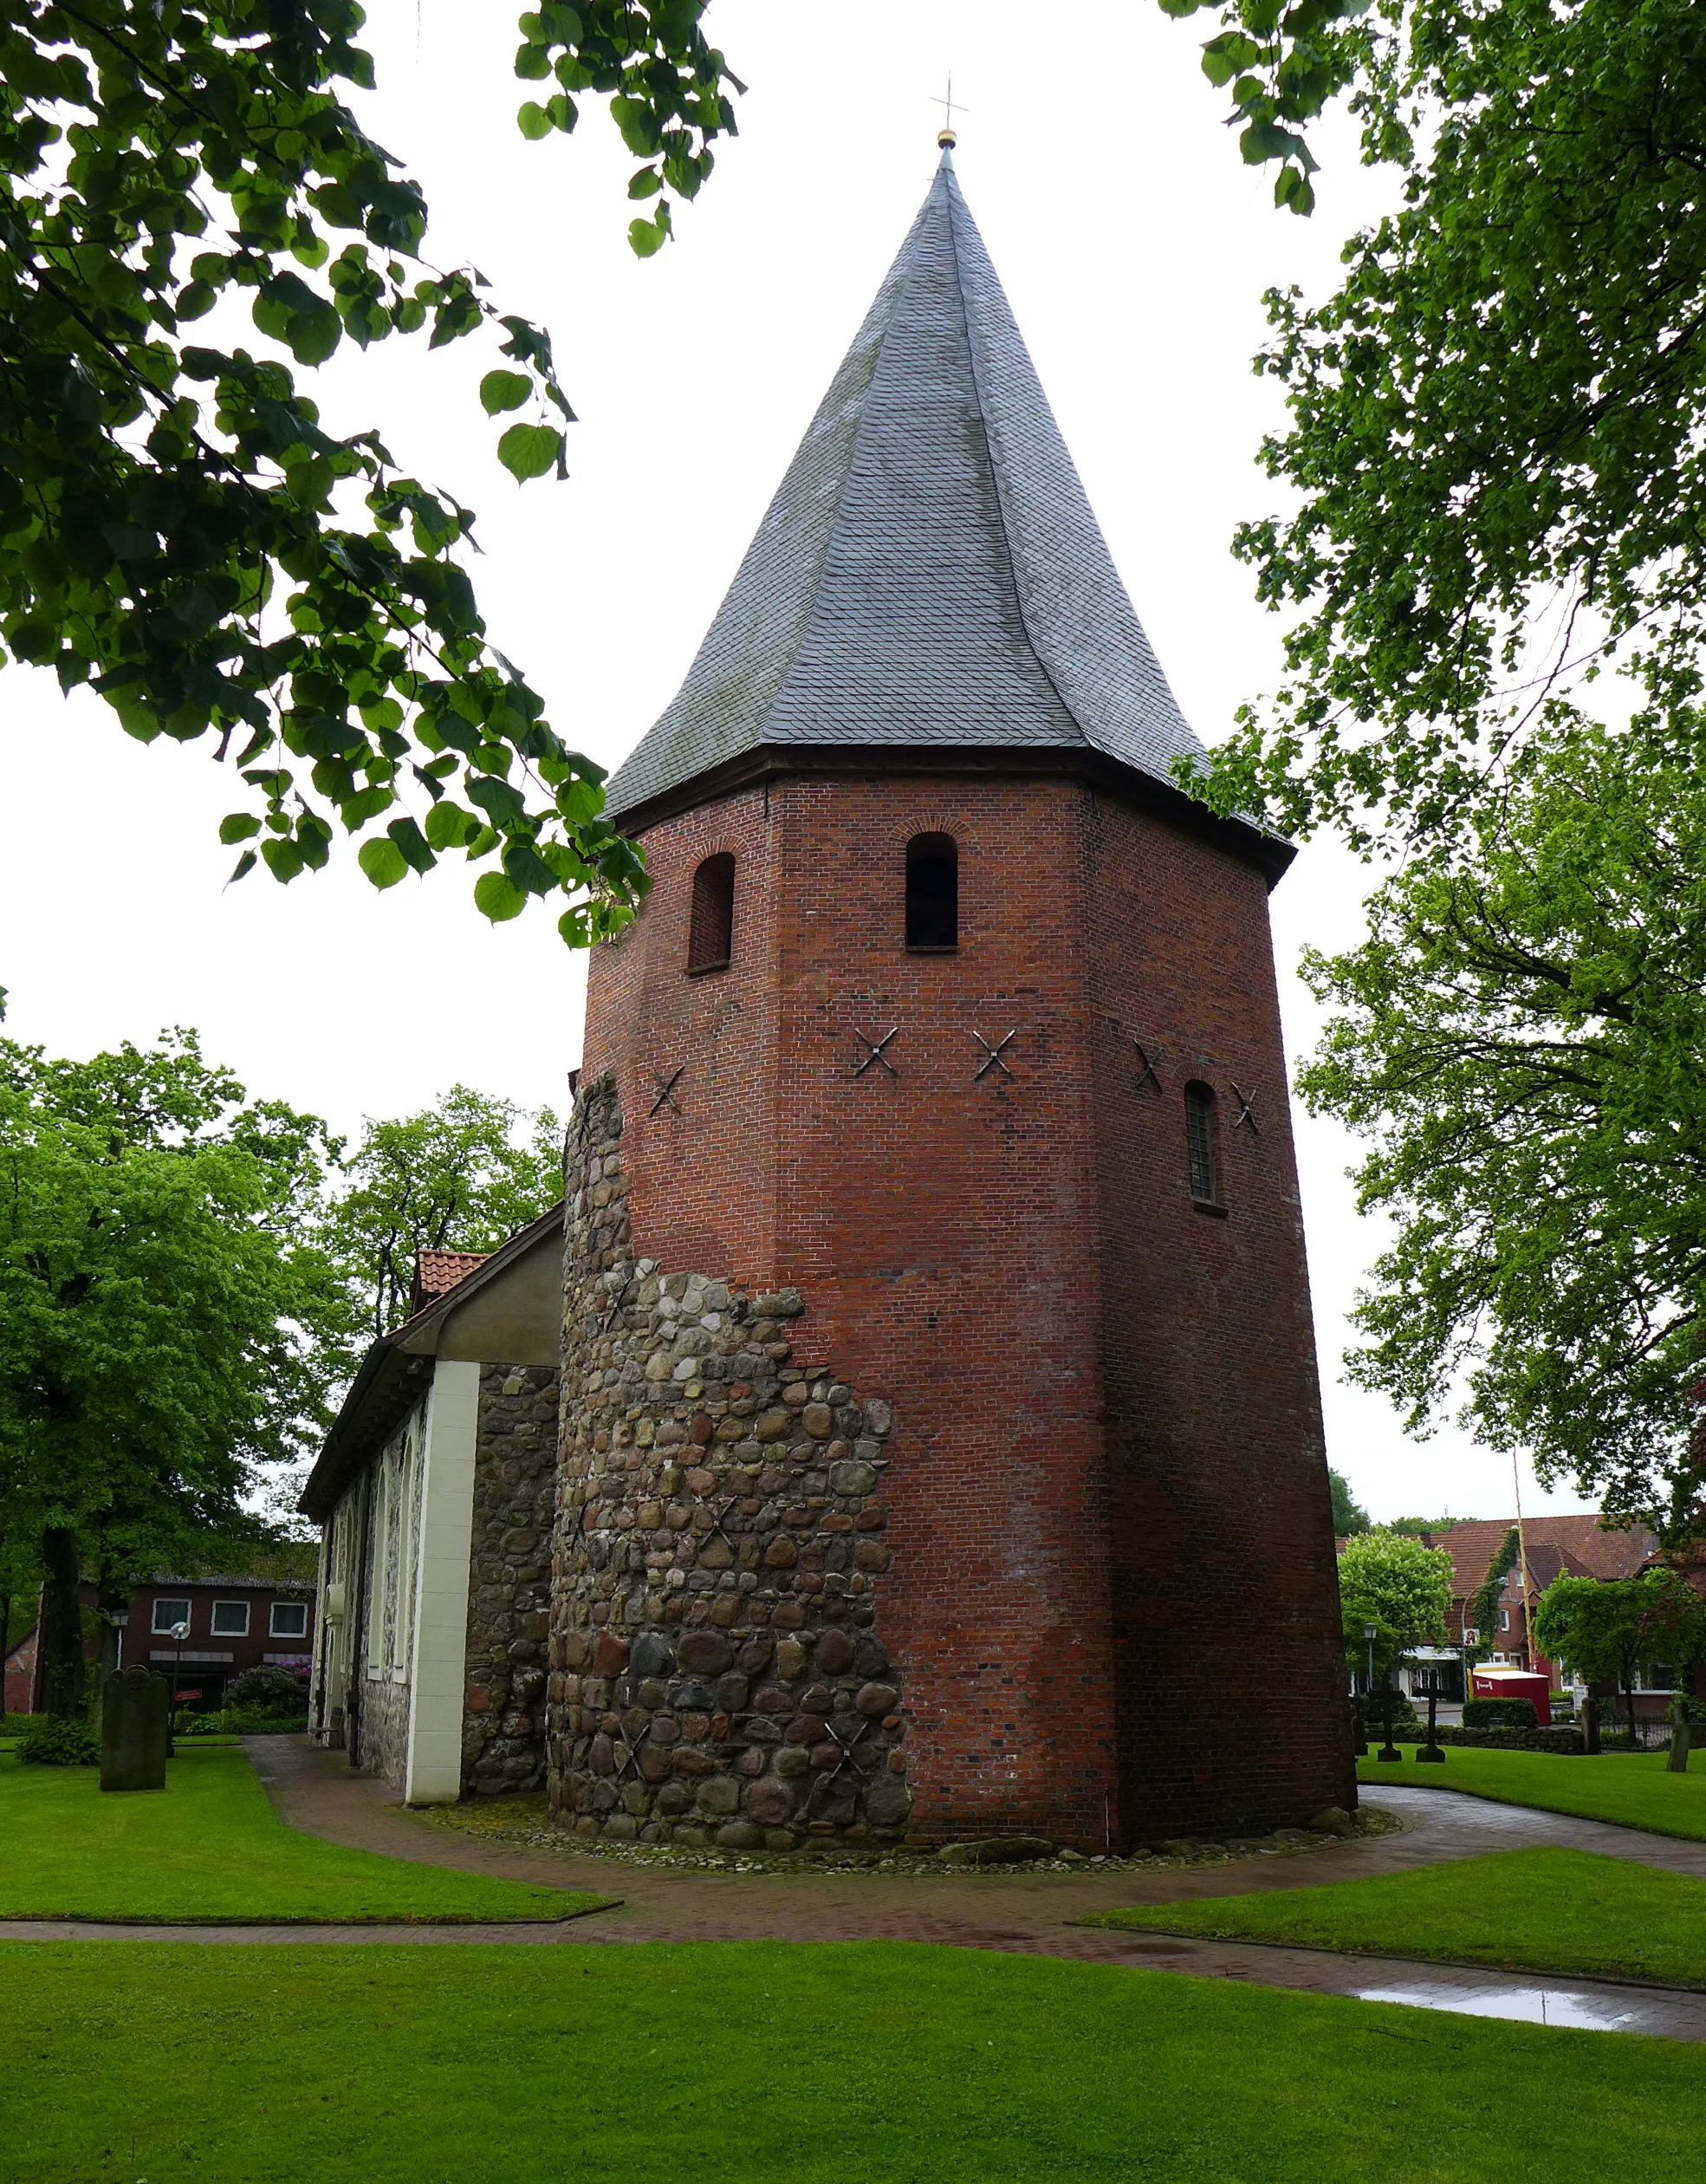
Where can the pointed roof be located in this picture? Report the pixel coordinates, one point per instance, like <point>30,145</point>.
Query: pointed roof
<point>930,574</point>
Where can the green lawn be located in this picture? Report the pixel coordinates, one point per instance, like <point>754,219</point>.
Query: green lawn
<point>884,2062</point>
<point>1545,1910</point>
<point>210,1847</point>
<point>1630,1787</point>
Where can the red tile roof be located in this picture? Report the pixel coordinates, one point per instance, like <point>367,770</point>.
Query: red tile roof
<point>1558,1546</point>
<point>439,1273</point>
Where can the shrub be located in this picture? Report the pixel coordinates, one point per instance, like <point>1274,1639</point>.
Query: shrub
<point>267,1691</point>
<point>1370,1708</point>
<point>59,1743</point>
<point>1500,1713</point>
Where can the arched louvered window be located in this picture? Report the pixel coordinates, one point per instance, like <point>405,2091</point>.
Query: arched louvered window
<point>1199,1141</point>
<point>932,892</point>
<point>711,931</point>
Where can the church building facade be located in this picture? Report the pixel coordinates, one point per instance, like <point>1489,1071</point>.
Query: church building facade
<point>941,1440</point>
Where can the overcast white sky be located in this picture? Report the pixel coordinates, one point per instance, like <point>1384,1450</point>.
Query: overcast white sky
<point>1135,249</point>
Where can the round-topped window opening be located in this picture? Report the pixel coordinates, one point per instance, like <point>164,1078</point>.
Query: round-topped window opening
<point>932,892</point>
<point>1199,1142</point>
<point>711,931</point>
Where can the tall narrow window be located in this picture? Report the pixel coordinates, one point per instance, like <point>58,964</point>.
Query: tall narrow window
<point>932,892</point>
<point>1199,1139</point>
<point>711,931</point>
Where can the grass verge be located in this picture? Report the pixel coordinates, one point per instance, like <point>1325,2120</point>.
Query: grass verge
<point>897,2062</point>
<point>210,1847</point>
<point>1629,1787</point>
<point>1549,1910</point>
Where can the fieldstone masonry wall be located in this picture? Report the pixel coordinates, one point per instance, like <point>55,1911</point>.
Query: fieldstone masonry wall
<point>716,1668</point>
<point>508,1592</point>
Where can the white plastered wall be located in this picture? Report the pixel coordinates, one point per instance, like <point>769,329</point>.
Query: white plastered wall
<point>433,1772</point>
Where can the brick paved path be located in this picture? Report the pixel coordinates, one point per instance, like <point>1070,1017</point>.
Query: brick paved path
<point>1025,1911</point>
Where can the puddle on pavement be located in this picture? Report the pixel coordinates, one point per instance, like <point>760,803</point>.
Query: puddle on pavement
<point>1527,2005</point>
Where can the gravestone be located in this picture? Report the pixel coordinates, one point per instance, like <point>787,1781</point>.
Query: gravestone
<point>135,1730</point>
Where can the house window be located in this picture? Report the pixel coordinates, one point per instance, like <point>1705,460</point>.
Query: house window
<point>932,892</point>
<point>230,1618</point>
<point>710,932</point>
<point>289,1619</point>
<point>1504,1619</point>
<point>168,1612</point>
<point>1199,1140</point>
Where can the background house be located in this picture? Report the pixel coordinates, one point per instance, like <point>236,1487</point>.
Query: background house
<point>435,1494</point>
<point>235,1622</point>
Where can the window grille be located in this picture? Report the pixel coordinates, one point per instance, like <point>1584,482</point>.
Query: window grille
<point>932,892</point>
<point>1199,1138</point>
<point>711,930</point>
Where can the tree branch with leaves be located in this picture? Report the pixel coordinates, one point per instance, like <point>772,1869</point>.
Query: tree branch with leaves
<point>180,532</point>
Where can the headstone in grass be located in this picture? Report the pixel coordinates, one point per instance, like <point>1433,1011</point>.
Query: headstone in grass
<point>135,1730</point>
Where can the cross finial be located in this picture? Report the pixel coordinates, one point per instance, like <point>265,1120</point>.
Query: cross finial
<point>945,136</point>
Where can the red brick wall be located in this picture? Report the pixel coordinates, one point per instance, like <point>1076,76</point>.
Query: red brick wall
<point>1001,1259</point>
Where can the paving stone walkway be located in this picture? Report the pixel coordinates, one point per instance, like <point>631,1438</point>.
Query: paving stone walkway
<point>1027,1911</point>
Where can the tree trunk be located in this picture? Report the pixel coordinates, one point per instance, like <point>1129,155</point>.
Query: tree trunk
<point>1629,1701</point>
<point>1677,1763</point>
<point>62,1669</point>
<point>1590,1724</point>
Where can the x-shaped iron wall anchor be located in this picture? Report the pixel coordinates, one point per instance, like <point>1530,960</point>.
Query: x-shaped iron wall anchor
<point>627,1751</point>
<point>846,1764</point>
<point>1246,1110</point>
<point>995,1058</point>
<point>876,1052</point>
<point>1146,1074</point>
<point>666,1090</point>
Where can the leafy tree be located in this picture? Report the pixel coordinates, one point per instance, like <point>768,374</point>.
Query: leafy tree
<point>1349,1517</point>
<point>167,1329</point>
<point>1401,1586</point>
<point>1608,1632</point>
<point>1494,461</point>
<point>1417,1527</point>
<point>178,529</point>
<point>1495,440</point>
<point>452,1178</point>
<point>1518,1038</point>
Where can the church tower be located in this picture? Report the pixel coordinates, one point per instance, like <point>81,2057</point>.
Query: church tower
<point>942,1447</point>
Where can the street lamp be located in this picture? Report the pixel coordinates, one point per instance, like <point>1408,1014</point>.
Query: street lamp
<point>178,1633</point>
<point>1370,1631</point>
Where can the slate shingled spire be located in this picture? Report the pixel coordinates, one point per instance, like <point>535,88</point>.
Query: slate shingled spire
<point>930,573</point>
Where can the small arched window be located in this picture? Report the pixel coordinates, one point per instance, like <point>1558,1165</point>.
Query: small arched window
<point>711,932</point>
<point>932,892</point>
<point>1199,1141</point>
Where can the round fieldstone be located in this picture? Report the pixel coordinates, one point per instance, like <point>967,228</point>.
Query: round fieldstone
<point>792,1761</point>
<point>870,1660</point>
<point>852,1476</point>
<point>781,1554</point>
<point>790,1660</point>
<point>835,1653</point>
<point>740,1834</point>
<point>651,1655</point>
<point>693,1696</point>
<point>819,1420</point>
<point>731,1693</point>
<point>719,1795</point>
<point>705,1653</point>
<point>887,1804</point>
<point>876,1699</point>
<point>754,1656</point>
<point>770,1802</point>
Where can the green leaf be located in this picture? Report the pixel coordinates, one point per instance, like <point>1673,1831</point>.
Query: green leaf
<point>503,805</point>
<point>647,238</point>
<point>449,826</point>
<point>238,827</point>
<point>412,845</point>
<point>528,450</point>
<point>382,861</point>
<point>504,391</point>
<point>497,898</point>
<point>534,122</point>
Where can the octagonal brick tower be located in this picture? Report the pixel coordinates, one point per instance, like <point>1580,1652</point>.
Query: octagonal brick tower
<point>942,1443</point>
